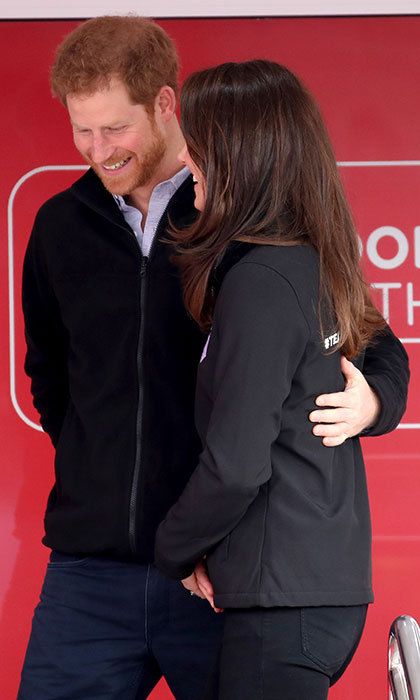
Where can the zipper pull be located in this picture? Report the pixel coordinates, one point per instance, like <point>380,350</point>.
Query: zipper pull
<point>143,266</point>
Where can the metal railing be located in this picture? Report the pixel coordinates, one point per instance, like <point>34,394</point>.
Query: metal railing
<point>404,659</point>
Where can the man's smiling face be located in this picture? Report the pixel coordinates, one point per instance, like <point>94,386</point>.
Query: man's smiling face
<point>120,140</point>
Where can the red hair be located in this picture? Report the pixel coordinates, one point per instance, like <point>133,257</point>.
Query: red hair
<point>134,49</point>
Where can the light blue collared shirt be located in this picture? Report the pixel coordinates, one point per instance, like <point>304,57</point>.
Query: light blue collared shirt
<point>159,200</point>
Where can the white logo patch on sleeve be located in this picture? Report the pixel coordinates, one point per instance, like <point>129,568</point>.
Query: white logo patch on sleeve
<point>332,340</point>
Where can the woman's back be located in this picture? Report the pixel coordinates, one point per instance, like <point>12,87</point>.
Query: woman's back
<point>305,539</point>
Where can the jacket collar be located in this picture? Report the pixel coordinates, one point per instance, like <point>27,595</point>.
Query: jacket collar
<point>90,190</point>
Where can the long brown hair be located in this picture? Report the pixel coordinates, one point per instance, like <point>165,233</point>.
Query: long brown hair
<point>271,177</point>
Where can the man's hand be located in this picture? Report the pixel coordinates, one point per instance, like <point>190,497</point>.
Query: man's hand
<point>199,584</point>
<point>349,411</point>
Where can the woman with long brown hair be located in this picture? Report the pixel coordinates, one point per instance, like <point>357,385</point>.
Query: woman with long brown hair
<point>271,271</point>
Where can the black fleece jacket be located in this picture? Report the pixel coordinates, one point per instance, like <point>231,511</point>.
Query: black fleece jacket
<point>112,356</point>
<point>282,519</point>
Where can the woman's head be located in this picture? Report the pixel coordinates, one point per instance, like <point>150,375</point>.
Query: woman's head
<point>267,173</point>
<point>256,134</point>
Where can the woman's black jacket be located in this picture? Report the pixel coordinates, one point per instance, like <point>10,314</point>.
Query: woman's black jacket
<point>283,520</point>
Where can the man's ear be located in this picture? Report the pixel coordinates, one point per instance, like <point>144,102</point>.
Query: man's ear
<point>165,103</point>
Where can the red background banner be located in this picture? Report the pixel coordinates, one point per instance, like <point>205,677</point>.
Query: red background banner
<point>364,74</point>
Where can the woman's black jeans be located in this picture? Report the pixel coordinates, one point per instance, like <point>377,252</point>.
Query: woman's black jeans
<point>287,653</point>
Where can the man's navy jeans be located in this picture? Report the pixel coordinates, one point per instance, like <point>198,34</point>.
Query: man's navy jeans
<point>108,630</point>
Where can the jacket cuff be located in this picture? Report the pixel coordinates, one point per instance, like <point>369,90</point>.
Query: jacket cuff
<point>173,571</point>
<point>392,406</point>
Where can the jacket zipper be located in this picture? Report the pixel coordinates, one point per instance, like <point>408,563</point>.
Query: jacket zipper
<point>139,420</point>
<point>132,519</point>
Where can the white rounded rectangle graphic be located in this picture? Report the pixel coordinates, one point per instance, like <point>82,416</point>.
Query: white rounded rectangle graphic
<point>31,177</point>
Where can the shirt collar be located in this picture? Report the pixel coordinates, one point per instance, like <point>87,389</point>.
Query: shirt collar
<point>173,183</point>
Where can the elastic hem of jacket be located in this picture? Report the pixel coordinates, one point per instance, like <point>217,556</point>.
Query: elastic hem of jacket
<point>290,600</point>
